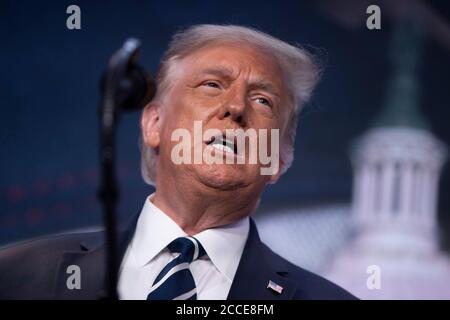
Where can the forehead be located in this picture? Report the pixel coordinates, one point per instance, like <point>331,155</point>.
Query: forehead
<point>235,58</point>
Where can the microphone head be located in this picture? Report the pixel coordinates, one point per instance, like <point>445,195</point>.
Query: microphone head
<point>131,86</point>
<point>136,89</point>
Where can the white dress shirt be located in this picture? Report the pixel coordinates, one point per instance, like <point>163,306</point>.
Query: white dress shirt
<point>147,255</point>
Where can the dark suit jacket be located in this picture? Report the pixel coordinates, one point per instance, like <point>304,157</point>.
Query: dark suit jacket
<point>37,270</point>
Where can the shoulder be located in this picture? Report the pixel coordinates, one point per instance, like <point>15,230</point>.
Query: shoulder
<point>310,285</point>
<point>28,268</point>
<point>47,246</point>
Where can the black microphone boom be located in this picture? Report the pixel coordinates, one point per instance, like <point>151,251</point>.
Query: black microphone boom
<point>124,86</point>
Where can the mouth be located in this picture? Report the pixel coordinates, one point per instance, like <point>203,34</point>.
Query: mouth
<point>223,143</point>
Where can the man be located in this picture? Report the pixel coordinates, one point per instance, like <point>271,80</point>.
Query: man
<point>193,238</point>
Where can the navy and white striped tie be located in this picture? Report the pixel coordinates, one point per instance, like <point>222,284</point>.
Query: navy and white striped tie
<point>175,281</point>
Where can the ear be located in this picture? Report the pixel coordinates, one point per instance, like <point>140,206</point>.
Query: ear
<point>150,125</point>
<point>274,178</point>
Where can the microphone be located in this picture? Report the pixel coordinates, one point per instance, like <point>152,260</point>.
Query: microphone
<point>125,81</point>
<point>125,86</point>
<point>136,89</point>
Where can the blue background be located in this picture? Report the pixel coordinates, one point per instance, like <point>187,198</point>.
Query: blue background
<point>49,95</point>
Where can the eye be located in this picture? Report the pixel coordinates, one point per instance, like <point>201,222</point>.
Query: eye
<point>212,84</point>
<point>264,101</point>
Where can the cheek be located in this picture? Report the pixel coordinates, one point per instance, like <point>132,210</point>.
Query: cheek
<point>195,107</point>
<point>178,112</point>
<point>268,122</point>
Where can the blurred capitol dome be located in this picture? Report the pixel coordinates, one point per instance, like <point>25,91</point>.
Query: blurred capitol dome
<point>397,165</point>
<point>385,245</point>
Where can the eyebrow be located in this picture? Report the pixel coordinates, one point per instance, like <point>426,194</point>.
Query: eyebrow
<point>218,71</point>
<point>264,85</point>
<point>256,83</point>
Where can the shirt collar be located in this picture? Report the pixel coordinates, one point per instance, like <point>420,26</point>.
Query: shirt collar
<point>224,245</point>
<point>155,230</point>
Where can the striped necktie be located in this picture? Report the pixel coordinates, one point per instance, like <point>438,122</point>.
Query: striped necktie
<point>175,281</point>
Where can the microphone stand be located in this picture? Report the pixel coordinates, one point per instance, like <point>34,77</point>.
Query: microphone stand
<point>124,87</point>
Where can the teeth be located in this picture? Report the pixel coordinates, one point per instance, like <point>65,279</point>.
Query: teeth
<point>221,140</point>
<point>222,147</point>
<point>221,143</point>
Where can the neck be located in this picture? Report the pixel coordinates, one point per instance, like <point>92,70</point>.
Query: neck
<point>197,208</point>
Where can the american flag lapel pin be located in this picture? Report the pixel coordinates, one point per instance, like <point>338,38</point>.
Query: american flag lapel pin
<point>274,287</point>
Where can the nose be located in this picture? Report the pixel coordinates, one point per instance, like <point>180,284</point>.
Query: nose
<point>235,107</point>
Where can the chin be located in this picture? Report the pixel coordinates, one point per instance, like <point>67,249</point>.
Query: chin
<point>224,177</point>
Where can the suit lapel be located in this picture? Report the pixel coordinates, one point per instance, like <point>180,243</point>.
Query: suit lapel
<point>254,272</point>
<point>91,271</point>
<point>256,269</point>
<point>91,262</point>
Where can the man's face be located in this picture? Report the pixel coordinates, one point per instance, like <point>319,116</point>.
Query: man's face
<point>233,86</point>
